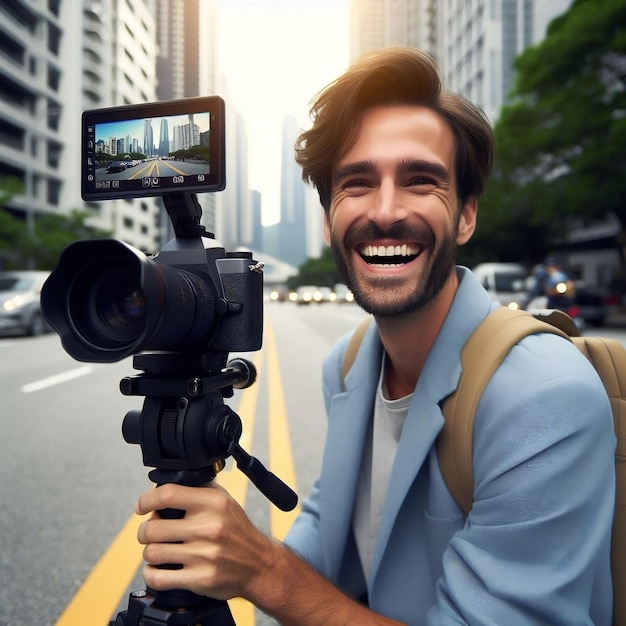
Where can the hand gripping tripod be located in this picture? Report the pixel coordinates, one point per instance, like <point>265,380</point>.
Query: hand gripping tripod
<point>186,432</point>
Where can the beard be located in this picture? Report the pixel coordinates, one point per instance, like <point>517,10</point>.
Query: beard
<point>380,296</point>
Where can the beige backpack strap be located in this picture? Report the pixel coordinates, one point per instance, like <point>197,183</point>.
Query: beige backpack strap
<point>353,347</point>
<point>608,356</point>
<point>480,358</point>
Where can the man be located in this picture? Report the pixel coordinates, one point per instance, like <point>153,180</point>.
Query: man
<point>399,166</point>
<point>555,285</point>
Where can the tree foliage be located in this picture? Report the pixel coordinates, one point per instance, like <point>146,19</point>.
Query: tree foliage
<point>560,141</point>
<point>320,271</point>
<point>52,233</point>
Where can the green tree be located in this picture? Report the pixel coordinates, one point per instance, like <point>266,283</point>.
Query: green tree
<point>11,228</point>
<point>20,249</point>
<point>560,142</point>
<point>320,271</point>
<point>53,233</point>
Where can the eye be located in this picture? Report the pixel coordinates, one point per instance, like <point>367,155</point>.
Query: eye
<point>421,181</point>
<point>355,183</point>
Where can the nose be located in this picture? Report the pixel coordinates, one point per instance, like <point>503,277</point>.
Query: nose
<point>387,204</point>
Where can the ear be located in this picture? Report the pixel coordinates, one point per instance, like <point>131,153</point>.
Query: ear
<point>467,221</point>
<point>326,228</point>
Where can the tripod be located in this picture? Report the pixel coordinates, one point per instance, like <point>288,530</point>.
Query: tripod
<point>186,432</point>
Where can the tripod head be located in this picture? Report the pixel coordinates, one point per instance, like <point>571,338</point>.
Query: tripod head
<point>186,433</point>
<point>185,430</point>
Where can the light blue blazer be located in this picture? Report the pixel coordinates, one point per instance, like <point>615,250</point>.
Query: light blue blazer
<point>535,549</point>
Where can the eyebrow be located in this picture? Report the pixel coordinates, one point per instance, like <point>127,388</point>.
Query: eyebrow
<point>406,166</point>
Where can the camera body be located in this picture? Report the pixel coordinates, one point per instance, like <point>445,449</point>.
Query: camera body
<point>106,299</point>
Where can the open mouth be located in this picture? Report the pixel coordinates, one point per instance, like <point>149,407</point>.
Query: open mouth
<point>389,255</point>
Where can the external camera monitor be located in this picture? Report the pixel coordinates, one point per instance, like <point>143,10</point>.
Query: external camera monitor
<point>153,149</point>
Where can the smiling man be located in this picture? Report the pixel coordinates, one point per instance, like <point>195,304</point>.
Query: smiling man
<point>399,165</point>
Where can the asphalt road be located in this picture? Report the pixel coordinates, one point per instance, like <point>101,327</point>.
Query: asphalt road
<point>68,480</point>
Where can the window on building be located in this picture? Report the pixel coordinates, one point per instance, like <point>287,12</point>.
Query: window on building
<point>54,191</point>
<point>54,154</point>
<point>54,7</point>
<point>54,39</point>
<point>54,78</point>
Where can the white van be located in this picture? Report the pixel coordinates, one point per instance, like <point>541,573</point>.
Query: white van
<point>505,282</point>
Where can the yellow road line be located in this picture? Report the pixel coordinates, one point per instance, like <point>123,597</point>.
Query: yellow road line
<point>281,457</point>
<point>103,589</point>
<point>100,594</point>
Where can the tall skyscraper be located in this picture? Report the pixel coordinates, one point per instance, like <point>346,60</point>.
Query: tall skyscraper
<point>367,26</point>
<point>148,138</point>
<point>287,240</point>
<point>474,41</point>
<point>164,138</point>
<point>178,60</point>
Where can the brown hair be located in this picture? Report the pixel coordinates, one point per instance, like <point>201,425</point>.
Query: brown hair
<point>389,76</point>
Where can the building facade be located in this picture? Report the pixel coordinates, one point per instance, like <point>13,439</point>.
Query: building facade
<point>474,41</point>
<point>61,57</point>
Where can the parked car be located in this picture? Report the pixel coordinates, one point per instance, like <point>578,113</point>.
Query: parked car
<point>20,307</point>
<point>505,282</point>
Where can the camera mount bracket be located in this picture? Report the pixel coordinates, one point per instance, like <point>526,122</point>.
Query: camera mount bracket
<point>185,212</point>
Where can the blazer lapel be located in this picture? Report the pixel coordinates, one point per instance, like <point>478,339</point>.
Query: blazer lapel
<point>348,421</point>
<point>350,414</point>
<point>439,378</point>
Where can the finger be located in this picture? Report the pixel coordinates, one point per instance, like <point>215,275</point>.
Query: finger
<point>202,582</point>
<point>186,554</point>
<point>205,528</point>
<point>171,496</point>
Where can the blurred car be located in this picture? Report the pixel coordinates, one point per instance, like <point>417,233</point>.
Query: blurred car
<point>343,294</point>
<point>20,308</point>
<point>278,294</point>
<point>324,294</point>
<point>589,305</point>
<point>506,282</point>
<point>116,166</point>
<point>595,304</point>
<point>305,294</point>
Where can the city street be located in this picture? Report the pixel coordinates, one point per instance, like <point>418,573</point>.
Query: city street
<point>69,480</point>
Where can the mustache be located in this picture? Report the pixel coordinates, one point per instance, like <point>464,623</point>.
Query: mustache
<point>364,233</point>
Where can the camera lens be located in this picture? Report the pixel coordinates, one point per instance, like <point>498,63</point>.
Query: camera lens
<point>108,300</point>
<point>131,307</point>
<point>119,310</point>
<point>107,306</point>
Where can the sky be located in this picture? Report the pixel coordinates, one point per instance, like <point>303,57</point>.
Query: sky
<point>275,55</point>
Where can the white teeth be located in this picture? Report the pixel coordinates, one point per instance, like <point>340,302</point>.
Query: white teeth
<point>403,250</point>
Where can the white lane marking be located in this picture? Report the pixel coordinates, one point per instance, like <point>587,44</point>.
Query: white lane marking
<point>57,379</point>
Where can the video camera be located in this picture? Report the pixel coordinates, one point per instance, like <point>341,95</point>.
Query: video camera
<point>106,299</point>
<point>179,312</point>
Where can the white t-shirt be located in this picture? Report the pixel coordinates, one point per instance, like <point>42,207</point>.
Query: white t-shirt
<point>378,457</point>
